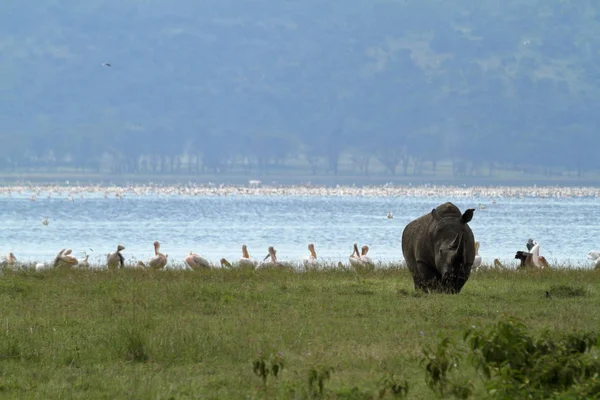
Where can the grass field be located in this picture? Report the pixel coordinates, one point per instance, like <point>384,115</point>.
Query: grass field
<point>140,334</point>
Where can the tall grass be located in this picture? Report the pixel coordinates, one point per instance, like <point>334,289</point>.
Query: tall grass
<point>329,334</point>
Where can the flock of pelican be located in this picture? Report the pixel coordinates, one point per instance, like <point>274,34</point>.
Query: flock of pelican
<point>116,260</point>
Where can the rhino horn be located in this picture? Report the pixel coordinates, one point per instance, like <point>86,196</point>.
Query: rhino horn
<point>461,245</point>
<point>456,242</point>
<point>467,215</point>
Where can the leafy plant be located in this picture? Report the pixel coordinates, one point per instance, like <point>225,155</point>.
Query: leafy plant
<point>439,365</point>
<point>263,367</point>
<point>516,365</point>
<point>317,378</point>
<point>398,389</point>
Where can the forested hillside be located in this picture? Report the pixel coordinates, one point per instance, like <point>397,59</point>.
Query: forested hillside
<point>223,85</point>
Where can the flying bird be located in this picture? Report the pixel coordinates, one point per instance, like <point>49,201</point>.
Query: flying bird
<point>106,64</point>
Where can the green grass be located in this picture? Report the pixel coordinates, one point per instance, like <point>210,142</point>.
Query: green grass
<point>139,334</point>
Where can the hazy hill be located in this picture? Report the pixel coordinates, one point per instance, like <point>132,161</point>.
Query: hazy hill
<point>489,81</point>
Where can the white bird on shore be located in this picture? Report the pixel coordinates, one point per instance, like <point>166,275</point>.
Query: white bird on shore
<point>85,263</point>
<point>364,257</point>
<point>272,263</point>
<point>535,255</point>
<point>246,260</point>
<point>196,262</point>
<point>9,259</point>
<point>355,257</point>
<point>64,259</point>
<point>159,260</point>
<point>116,259</point>
<point>594,256</point>
<point>311,259</point>
<point>477,260</point>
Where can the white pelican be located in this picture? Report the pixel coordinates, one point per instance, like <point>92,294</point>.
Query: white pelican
<point>531,258</point>
<point>40,266</point>
<point>311,259</point>
<point>64,259</point>
<point>273,262</point>
<point>593,255</point>
<point>246,260</point>
<point>116,259</point>
<point>85,263</point>
<point>196,262</point>
<point>140,264</point>
<point>535,255</point>
<point>9,259</point>
<point>477,260</point>
<point>159,260</point>
<point>364,257</point>
<point>355,257</point>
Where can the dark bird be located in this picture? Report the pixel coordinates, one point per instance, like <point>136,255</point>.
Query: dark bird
<point>548,294</point>
<point>106,64</point>
<point>525,257</point>
<point>530,244</point>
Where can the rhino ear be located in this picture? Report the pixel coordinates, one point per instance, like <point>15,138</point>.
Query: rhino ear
<point>435,214</point>
<point>467,216</point>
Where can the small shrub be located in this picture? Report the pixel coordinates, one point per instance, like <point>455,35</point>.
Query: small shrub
<point>567,291</point>
<point>316,380</point>
<point>263,367</point>
<point>439,365</point>
<point>397,389</point>
<point>516,365</point>
<point>135,346</point>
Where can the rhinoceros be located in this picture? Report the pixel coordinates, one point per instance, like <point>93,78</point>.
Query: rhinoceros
<point>439,249</point>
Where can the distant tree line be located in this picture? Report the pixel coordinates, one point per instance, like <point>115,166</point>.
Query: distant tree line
<point>396,154</point>
<point>368,87</point>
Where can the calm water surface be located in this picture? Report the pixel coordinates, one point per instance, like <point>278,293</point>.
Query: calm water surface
<point>217,226</point>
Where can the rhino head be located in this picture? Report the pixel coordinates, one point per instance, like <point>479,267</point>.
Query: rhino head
<point>454,249</point>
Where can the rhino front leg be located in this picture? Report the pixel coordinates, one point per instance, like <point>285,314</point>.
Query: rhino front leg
<point>427,278</point>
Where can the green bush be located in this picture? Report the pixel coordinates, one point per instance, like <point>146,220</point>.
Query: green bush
<point>513,364</point>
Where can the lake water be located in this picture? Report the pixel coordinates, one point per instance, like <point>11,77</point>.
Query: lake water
<point>215,224</point>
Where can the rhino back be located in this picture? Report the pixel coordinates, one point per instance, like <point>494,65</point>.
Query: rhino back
<point>448,209</point>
